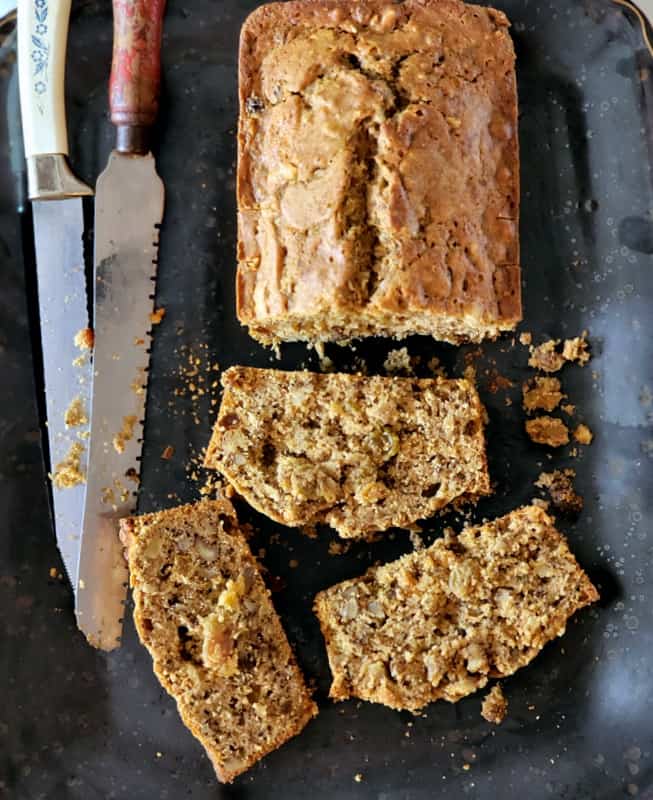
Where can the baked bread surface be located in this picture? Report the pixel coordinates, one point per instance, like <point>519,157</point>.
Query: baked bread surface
<point>361,454</point>
<point>378,171</point>
<point>438,623</point>
<point>202,610</point>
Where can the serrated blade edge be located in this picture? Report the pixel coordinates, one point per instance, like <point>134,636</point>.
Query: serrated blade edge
<point>128,212</point>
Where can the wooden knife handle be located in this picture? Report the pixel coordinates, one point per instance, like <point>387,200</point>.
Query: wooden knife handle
<point>135,71</point>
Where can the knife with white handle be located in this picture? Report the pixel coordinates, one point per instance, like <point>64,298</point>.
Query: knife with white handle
<point>56,196</point>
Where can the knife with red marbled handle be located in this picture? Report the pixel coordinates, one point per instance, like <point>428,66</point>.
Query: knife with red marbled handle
<point>128,213</point>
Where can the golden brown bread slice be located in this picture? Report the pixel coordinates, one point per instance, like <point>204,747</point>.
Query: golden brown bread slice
<point>206,617</point>
<point>438,623</point>
<point>378,171</point>
<point>361,454</point>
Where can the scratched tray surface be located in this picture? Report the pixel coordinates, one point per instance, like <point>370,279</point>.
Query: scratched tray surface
<point>80,724</point>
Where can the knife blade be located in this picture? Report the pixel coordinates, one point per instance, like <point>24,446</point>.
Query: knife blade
<point>128,213</point>
<point>56,196</point>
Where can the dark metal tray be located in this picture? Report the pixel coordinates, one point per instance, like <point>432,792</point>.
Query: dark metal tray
<point>76,723</point>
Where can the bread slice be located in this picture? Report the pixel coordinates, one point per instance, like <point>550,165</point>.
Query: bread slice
<point>378,171</point>
<point>206,617</point>
<point>438,623</point>
<point>361,454</point>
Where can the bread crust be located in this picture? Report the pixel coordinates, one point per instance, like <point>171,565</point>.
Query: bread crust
<point>378,171</point>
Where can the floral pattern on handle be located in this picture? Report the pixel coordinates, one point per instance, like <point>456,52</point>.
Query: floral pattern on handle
<point>40,50</point>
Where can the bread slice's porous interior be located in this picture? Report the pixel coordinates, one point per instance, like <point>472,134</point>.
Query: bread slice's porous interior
<point>361,454</point>
<point>206,617</point>
<point>440,622</point>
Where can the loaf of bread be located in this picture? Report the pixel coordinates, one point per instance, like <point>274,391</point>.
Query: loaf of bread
<point>438,623</point>
<point>378,171</point>
<point>206,617</point>
<point>361,454</point>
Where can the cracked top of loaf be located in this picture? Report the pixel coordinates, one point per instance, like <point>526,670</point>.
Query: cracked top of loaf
<point>378,171</point>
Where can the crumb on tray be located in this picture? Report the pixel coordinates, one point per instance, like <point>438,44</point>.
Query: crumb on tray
<point>495,706</point>
<point>213,487</point>
<point>576,349</point>
<point>559,485</point>
<point>546,356</point>
<point>168,452</point>
<point>547,430</point>
<point>542,393</point>
<point>398,362</point>
<point>549,357</point>
<point>157,315</point>
<point>583,435</point>
<point>338,548</point>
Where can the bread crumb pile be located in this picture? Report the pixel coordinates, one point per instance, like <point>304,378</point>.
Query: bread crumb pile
<point>68,473</point>
<point>75,415</point>
<point>544,393</point>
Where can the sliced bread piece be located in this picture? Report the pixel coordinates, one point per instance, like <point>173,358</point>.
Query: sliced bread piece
<point>361,454</point>
<point>206,617</point>
<point>438,623</point>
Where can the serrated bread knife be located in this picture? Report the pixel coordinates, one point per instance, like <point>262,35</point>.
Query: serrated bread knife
<point>128,212</point>
<point>56,196</point>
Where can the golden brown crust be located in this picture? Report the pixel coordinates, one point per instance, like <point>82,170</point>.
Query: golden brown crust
<point>362,454</point>
<point>202,610</point>
<point>378,171</point>
<point>439,623</point>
